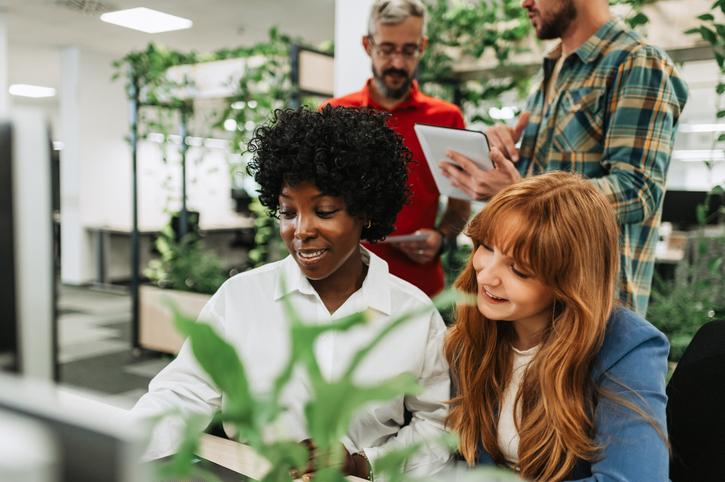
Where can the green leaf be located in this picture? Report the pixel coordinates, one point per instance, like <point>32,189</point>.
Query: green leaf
<point>329,474</point>
<point>220,361</point>
<point>637,20</point>
<point>333,405</point>
<point>708,34</point>
<point>707,17</point>
<point>715,264</point>
<point>701,214</point>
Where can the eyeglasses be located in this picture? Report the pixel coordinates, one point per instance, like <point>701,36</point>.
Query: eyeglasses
<point>388,50</point>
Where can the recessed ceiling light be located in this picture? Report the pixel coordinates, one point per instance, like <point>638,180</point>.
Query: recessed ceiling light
<point>27,90</point>
<point>146,20</point>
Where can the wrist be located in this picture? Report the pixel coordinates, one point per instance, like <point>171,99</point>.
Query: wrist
<point>363,465</point>
<point>445,241</point>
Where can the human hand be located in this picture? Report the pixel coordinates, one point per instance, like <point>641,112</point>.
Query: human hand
<point>305,473</point>
<point>352,464</point>
<point>474,181</point>
<point>425,250</point>
<point>504,138</point>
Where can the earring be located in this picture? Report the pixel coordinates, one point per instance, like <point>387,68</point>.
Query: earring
<point>369,224</point>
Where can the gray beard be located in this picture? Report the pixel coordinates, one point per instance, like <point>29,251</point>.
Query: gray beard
<point>387,92</point>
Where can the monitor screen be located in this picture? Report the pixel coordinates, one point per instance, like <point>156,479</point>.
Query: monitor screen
<point>680,208</point>
<point>27,282</point>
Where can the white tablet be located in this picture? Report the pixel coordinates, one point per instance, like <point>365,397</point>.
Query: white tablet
<point>436,141</point>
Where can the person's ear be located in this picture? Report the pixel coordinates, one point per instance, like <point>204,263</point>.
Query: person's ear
<point>423,44</point>
<point>366,44</point>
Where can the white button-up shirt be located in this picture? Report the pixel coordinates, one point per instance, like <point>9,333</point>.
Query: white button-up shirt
<point>248,311</point>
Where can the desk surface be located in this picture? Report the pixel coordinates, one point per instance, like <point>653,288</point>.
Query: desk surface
<point>238,457</point>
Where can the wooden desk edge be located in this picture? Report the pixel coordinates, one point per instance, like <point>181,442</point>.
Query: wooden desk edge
<point>238,457</point>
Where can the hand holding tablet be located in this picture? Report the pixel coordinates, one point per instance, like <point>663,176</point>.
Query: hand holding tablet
<point>437,142</point>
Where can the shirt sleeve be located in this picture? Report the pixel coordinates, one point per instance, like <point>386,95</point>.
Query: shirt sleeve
<point>428,410</point>
<point>632,448</point>
<point>181,387</point>
<point>644,104</point>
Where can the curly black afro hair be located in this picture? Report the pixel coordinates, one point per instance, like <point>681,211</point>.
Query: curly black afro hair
<point>345,152</point>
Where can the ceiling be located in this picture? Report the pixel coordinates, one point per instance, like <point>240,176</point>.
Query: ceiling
<point>217,23</point>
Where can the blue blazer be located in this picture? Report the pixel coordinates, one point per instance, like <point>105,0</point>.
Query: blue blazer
<point>634,355</point>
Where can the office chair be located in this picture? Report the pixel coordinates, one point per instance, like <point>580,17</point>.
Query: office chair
<point>696,408</point>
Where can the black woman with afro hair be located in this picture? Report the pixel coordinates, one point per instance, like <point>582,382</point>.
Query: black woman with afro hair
<point>333,177</point>
<point>344,153</point>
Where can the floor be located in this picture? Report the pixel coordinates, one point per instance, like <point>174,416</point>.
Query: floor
<point>95,353</point>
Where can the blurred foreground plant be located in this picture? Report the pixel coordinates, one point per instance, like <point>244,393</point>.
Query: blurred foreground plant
<point>328,412</point>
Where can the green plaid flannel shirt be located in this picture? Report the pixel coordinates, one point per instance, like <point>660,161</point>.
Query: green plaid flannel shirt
<point>612,119</point>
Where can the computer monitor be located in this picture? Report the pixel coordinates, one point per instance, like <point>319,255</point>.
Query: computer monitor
<point>680,208</point>
<point>75,439</point>
<point>28,340</point>
<point>8,325</point>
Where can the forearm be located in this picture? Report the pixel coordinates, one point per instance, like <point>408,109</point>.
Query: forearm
<point>454,218</point>
<point>634,193</point>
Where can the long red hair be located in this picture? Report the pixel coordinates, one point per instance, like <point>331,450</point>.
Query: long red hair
<point>567,235</point>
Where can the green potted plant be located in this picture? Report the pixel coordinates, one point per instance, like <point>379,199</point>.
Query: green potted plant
<point>186,274</point>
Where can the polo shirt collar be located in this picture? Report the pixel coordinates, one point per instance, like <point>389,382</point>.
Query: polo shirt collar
<point>375,288</point>
<point>412,102</point>
<point>594,45</point>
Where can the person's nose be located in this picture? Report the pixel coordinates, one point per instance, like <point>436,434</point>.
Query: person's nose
<point>527,3</point>
<point>397,60</point>
<point>305,227</point>
<point>487,273</point>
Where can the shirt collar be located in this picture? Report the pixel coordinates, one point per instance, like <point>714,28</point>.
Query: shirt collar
<point>375,291</point>
<point>290,278</point>
<point>590,49</point>
<point>412,102</point>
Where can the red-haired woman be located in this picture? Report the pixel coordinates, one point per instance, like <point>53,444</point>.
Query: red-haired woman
<point>552,379</point>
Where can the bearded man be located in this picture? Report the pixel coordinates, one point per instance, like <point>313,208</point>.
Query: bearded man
<point>395,42</point>
<point>606,106</point>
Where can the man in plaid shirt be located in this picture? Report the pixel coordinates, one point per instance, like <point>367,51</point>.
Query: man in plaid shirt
<point>606,107</point>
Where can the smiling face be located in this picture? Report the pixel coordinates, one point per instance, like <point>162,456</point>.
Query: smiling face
<point>319,233</point>
<point>550,18</point>
<point>508,291</point>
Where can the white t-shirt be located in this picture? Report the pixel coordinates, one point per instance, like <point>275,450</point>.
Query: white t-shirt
<point>248,311</point>
<point>508,436</point>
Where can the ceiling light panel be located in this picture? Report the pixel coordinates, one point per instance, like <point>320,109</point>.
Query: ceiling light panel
<point>27,90</point>
<point>146,20</point>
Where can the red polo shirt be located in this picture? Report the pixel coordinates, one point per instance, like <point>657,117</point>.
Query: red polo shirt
<point>421,210</point>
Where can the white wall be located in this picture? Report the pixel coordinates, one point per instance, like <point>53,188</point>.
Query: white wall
<point>4,101</point>
<point>96,168</point>
<point>352,65</point>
